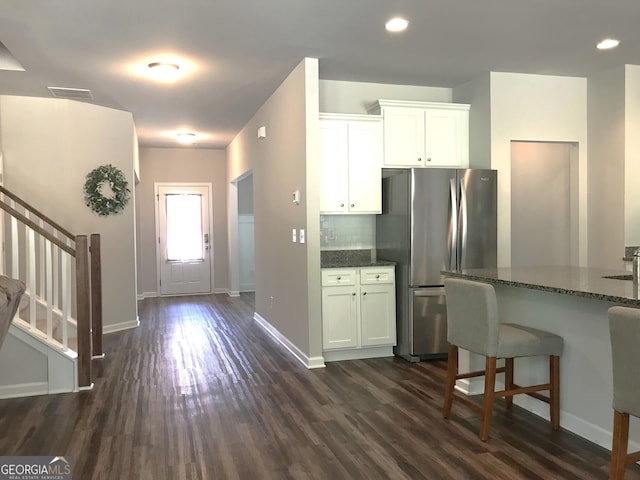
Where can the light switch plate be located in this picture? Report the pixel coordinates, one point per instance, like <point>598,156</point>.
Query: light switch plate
<point>294,236</point>
<point>302,235</point>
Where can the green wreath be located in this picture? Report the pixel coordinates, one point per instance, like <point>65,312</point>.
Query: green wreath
<point>96,190</point>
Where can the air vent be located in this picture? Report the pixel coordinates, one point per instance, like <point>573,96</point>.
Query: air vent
<point>72,93</point>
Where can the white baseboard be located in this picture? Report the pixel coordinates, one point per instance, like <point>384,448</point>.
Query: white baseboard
<point>598,435</point>
<point>233,293</point>
<point>24,390</point>
<point>309,362</point>
<point>357,354</point>
<point>572,423</point>
<point>118,327</point>
<point>221,290</point>
<point>144,295</point>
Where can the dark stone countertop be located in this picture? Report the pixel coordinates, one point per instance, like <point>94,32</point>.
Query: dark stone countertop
<point>350,258</point>
<point>577,281</point>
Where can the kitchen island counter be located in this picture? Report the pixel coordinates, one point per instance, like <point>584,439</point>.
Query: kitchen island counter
<point>576,281</point>
<point>571,302</point>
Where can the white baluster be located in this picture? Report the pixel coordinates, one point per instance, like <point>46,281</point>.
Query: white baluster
<point>15,250</point>
<point>66,297</point>
<point>31,276</point>
<point>49,288</point>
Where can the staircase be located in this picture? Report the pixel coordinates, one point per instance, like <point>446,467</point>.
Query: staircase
<point>57,330</point>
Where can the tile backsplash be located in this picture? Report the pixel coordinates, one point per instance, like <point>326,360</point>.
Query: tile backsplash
<point>347,232</point>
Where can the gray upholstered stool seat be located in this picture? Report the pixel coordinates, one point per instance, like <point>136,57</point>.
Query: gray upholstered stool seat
<point>520,341</point>
<point>473,324</point>
<point>11,291</point>
<point>624,328</point>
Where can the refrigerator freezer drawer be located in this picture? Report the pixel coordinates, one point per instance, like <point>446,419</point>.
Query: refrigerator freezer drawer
<point>428,318</point>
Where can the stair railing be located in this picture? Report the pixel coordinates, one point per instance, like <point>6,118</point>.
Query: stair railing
<point>62,273</point>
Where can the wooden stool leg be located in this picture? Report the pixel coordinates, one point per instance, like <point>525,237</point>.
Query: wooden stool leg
<point>452,372</point>
<point>554,393</point>
<point>489,394</point>
<point>619,445</point>
<point>508,380</point>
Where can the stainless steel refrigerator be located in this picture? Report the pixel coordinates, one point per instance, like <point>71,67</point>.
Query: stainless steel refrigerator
<point>432,220</point>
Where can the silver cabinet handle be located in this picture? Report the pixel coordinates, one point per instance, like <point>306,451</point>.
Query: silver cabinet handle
<point>353,205</point>
<point>353,294</point>
<point>339,278</point>
<point>419,159</point>
<point>429,159</point>
<point>364,293</point>
<point>342,205</point>
<point>377,276</point>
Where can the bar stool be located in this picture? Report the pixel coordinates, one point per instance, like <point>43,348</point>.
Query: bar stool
<point>624,329</point>
<point>11,291</point>
<point>472,324</point>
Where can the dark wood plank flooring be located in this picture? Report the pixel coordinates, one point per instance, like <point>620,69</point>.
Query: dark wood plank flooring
<point>200,391</point>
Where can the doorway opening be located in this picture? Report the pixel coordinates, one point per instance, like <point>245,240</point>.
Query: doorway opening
<point>544,203</point>
<point>246,238</point>
<point>184,254</point>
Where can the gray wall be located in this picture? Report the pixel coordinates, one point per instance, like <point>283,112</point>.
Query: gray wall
<point>245,195</point>
<point>287,273</point>
<point>355,97</point>
<point>49,146</point>
<point>606,101</point>
<point>477,93</point>
<point>182,165</point>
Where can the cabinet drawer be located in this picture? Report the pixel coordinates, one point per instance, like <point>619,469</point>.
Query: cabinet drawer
<point>336,276</point>
<point>370,276</point>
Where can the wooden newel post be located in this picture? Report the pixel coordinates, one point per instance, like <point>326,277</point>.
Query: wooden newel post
<point>83,295</point>
<point>96,295</point>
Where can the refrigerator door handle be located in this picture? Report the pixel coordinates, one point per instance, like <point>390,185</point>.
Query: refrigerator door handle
<point>463,229</point>
<point>453,226</point>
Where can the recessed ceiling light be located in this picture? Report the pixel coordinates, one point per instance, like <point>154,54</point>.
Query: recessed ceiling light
<point>186,137</point>
<point>607,43</point>
<point>164,70</point>
<point>397,24</point>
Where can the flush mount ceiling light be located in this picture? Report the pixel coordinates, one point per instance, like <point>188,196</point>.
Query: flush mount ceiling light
<point>397,24</point>
<point>164,70</point>
<point>186,137</point>
<point>607,44</point>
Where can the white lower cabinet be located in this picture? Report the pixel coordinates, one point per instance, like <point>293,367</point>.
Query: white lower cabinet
<point>358,312</point>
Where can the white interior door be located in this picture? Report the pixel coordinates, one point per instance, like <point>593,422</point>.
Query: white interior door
<point>184,238</point>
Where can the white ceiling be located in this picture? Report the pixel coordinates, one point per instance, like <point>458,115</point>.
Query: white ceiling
<point>241,50</point>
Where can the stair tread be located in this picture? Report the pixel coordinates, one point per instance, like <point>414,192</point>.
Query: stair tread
<point>41,326</point>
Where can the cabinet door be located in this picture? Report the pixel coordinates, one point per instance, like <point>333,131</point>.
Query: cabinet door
<point>339,317</point>
<point>403,137</point>
<point>365,164</point>
<point>334,181</point>
<point>446,138</point>
<point>378,315</point>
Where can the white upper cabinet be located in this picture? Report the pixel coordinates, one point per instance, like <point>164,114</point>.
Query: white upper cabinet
<point>351,162</point>
<point>424,134</point>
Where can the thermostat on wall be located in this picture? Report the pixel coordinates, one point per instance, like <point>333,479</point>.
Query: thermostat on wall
<point>296,197</point>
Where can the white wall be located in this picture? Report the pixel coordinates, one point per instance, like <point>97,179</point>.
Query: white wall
<point>537,108</point>
<point>49,146</point>
<point>180,165</point>
<point>287,274</point>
